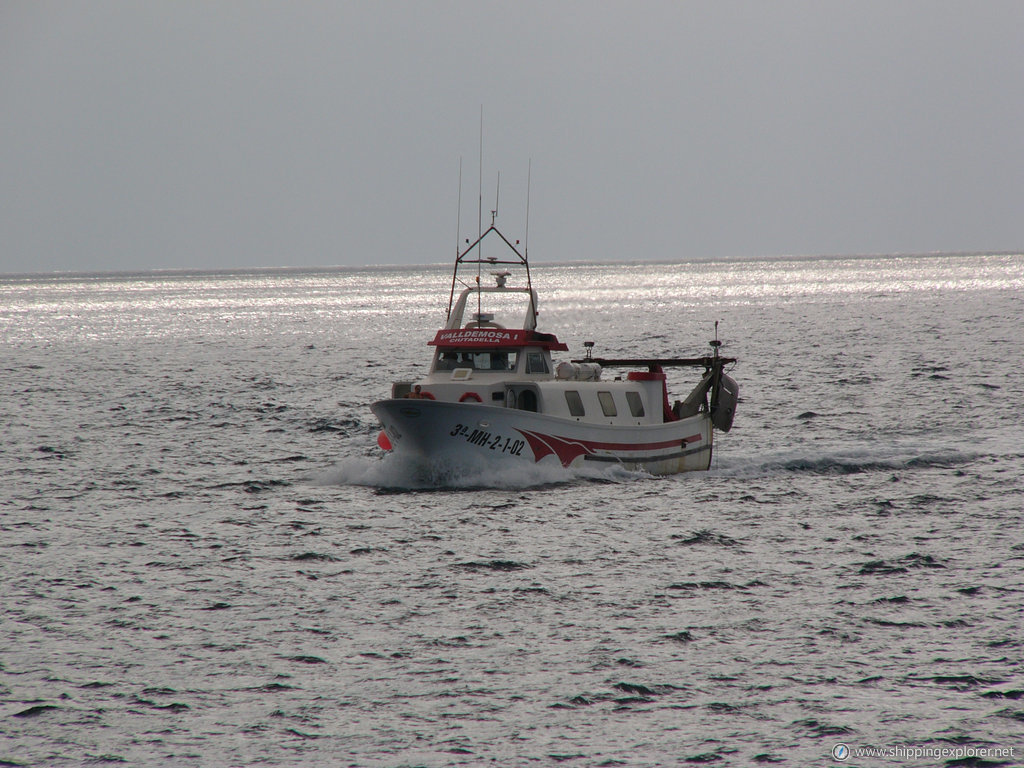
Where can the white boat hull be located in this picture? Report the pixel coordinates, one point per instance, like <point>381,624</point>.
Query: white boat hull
<point>475,434</point>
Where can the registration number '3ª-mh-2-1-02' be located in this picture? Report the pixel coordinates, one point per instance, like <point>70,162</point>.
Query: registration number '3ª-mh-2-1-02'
<point>487,439</point>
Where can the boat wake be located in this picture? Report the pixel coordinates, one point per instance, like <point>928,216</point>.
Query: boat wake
<point>399,473</point>
<point>845,460</point>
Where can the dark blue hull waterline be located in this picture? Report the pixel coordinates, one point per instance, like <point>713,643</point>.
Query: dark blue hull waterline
<point>207,561</point>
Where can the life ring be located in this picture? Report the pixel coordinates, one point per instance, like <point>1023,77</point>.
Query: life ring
<point>470,395</point>
<point>425,395</point>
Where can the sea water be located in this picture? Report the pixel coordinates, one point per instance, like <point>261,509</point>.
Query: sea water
<point>207,560</point>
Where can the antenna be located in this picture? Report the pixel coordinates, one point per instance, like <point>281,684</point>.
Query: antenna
<point>458,215</point>
<point>480,181</point>
<point>526,237</point>
<point>715,343</point>
<point>497,193</point>
<point>458,228</point>
<point>480,213</point>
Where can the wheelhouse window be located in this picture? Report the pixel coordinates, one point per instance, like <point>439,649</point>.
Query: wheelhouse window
<point>535,363</point>
<point>607,403</point>
<point>575,403</point>
<point>477,359</point>
<point>636,404</point>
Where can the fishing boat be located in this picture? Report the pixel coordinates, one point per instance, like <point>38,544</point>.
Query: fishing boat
<point>495,394</point>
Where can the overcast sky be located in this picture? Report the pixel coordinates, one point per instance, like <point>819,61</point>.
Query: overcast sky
<point>139,135</point>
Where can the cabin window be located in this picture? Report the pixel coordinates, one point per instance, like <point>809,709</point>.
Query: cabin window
<point>446,361</point>
<point>535,363</point>
<point>496,360</point>
<point>575,403</point>
<point>477,359</point>
<point>607,403</point>
<point>636,404</point>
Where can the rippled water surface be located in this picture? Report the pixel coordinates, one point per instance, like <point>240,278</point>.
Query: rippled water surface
<point>206,560</point>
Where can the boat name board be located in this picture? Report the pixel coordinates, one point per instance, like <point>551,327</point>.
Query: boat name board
<point>475,337</point>
<point>495,337</point>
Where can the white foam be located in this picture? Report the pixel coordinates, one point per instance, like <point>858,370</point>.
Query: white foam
<point>398,473</point>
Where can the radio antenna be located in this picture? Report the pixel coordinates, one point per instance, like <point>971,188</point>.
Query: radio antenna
<point>458,231</point>
<point>480,182</point>
<point>458,214</point>
<point>480,215</point>
<point>526,237</point>
<point>497,193</point>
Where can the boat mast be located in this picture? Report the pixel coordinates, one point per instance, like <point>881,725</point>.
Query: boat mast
<point>480,215</point>
<point>521,259</point>
<point>464,258</point>
<point>458,254</point>
<point>458,212</point>
<point>526,237</point>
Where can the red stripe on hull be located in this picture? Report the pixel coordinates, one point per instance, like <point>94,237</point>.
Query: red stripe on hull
<point>569,449</point>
